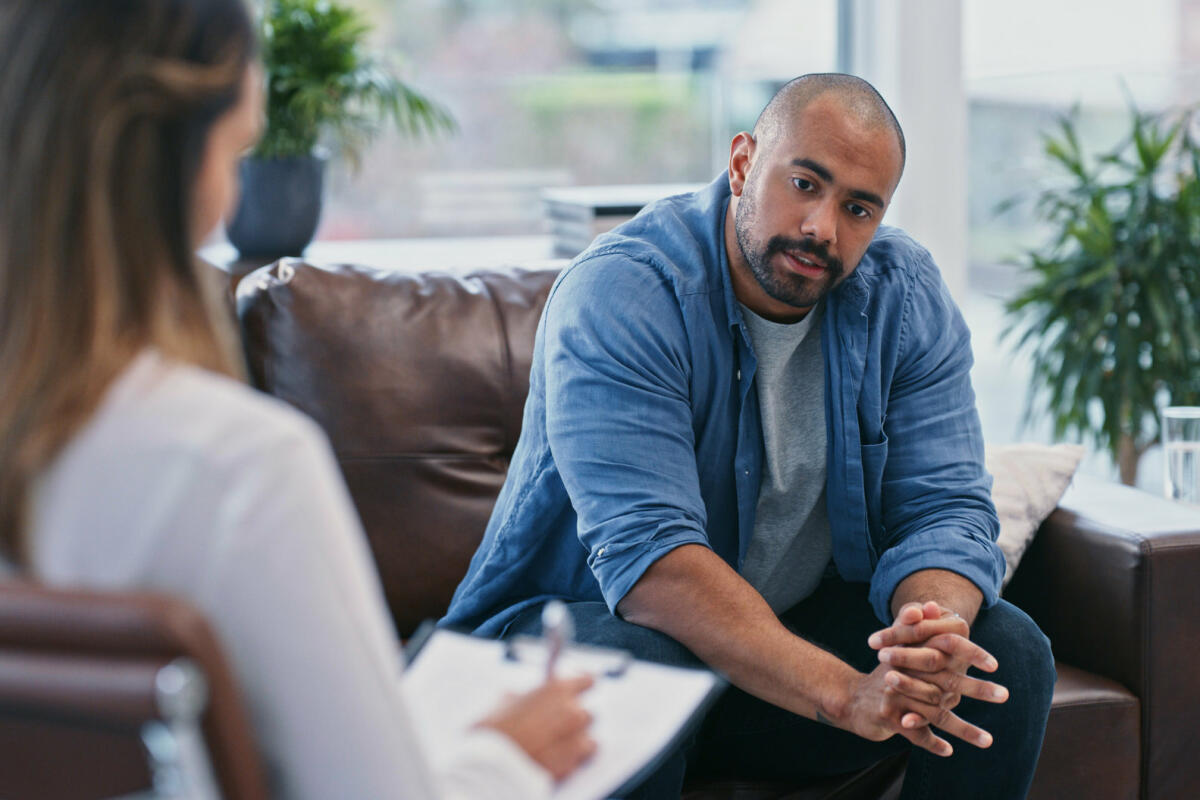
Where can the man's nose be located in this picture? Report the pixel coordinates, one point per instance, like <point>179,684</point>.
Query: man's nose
<point>821,222</point>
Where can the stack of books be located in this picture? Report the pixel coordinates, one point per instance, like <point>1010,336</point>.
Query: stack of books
<point>580,213</point>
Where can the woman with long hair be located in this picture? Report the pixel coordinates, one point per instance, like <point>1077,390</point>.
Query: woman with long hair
<point>132,457</point>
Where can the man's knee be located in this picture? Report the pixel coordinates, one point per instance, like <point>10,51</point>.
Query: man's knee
<point>596,625</point>
<point>602,628</point>
<point>1022,650</point>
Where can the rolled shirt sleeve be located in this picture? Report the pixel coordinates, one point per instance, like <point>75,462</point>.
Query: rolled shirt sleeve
<point>619,417</point>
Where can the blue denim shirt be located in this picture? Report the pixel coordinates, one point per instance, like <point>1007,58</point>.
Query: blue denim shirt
<point>641,432</point>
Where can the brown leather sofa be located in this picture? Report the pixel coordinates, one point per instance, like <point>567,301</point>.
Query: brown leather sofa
<point>420,381</point>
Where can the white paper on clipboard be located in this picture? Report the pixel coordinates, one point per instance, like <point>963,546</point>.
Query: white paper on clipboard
<point>639,708</point>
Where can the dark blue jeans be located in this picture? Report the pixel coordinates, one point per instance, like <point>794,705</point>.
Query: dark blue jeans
<point>747,738</point>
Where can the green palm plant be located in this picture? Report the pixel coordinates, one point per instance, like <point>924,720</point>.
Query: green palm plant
<point>324,86</point>
<point>1112,316</point>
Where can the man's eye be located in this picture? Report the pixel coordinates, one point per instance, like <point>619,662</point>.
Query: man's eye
<point>803,184</point>
<point>858,211</point>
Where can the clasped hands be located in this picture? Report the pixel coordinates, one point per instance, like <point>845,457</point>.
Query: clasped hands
<point>922,675</point>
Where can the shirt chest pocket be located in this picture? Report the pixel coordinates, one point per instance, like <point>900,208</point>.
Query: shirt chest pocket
<point>874,461</point>
<point>870,427</point>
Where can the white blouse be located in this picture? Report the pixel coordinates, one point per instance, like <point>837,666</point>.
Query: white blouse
<point>190,483</point>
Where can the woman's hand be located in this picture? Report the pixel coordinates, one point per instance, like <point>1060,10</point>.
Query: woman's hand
<point>549,724</point>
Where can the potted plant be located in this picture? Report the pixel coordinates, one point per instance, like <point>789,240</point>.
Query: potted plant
<point>1112,317</point>
<point>323,90</point>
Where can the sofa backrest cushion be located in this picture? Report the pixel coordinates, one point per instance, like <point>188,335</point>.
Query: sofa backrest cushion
<point>419,379</point>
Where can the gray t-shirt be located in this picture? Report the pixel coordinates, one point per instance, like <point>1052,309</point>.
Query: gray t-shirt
<point>791,545</point>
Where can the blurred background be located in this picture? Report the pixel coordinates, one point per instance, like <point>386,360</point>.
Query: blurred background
<point>564,92</point>
<point>561,93</point>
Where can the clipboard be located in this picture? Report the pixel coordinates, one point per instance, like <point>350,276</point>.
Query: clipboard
<point>642,711</point>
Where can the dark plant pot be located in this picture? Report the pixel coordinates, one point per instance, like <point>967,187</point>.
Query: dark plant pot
<point>279,207</point>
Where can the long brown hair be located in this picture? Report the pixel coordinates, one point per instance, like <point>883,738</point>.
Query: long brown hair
<point>105,109</point>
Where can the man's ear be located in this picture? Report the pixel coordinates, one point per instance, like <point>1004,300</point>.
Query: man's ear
<point>741,154</point>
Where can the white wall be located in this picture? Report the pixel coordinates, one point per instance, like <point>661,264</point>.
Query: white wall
<point>1044,36</point>
<point>912,52</point>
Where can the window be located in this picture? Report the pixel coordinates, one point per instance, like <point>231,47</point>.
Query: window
<point>567,92</point>
<point>1028,61</point>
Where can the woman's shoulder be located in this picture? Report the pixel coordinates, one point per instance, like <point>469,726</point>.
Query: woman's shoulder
<point>163,404</point>
<point>172,455</point>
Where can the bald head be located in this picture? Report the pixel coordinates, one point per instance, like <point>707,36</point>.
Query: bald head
<point>856,96</point>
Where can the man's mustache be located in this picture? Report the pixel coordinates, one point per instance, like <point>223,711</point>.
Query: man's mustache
<point>782,244</point>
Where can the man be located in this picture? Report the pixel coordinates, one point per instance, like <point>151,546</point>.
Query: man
<point>750,435</point>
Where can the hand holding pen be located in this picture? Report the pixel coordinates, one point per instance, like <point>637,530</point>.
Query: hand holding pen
<point>549,723</point>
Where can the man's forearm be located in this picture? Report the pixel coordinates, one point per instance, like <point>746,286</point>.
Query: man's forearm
<point>948,589</point>
<point>693,596</point>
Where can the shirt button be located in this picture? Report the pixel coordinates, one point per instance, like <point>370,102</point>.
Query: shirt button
<point>600,552</point>
<point>739,374</point>
<point>747,473</point>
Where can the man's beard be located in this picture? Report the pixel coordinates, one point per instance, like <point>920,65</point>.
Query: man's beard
<point>781,284</point>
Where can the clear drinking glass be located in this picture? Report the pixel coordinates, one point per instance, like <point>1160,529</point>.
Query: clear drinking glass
<point>1181,446</point>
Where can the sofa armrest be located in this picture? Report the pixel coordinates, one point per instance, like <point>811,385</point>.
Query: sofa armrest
<point>1113,578</point>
